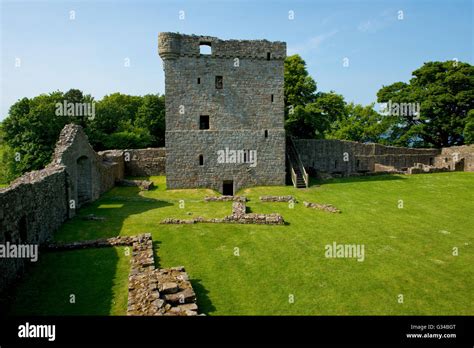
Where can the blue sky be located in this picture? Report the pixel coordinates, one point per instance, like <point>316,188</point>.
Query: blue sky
<point>89,52</point>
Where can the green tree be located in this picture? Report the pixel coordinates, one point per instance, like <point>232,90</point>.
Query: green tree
<point>360,123</point>
<point>151,116</point>
<point>300,88</point>
<point>308,114</point>
<point>31,130</point>
<point>114,113</point>
<point>445,93</point>
<point>314,119</point>
<point>469,128</point>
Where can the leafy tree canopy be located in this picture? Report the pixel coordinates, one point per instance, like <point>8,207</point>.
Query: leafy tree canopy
<point>444,92</point>
<point>118,121</point>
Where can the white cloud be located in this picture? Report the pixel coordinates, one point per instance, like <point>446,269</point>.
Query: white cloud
<point>311,44</point>
<point>386,18</point>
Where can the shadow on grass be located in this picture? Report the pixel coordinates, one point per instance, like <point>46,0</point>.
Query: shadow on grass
<point>76,282</point>
<point>203,301</point>
<point>96,277</point>
<point>114,207</point>
<point>354,179</point>
<point>156,253</point>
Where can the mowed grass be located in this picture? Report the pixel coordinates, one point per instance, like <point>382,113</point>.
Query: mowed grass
<point>257,270</point>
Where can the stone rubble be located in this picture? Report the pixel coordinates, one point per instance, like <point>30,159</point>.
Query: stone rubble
<point>151,291</point>
<point>325,207</point>
<point>421,168</point>
<point>239,216</point>
<point>225,198</point>
<point>277,198</point>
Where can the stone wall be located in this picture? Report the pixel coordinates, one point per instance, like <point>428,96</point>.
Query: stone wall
<point>145,162</point>
<point>247,113</point>
<point>88,173</point>
<point>457,158</point>
<point>329,156</point>
<point>31,209</point>
<point>35,205</point>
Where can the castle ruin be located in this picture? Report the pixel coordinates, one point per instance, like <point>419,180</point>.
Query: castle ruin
<point>230,100</point>
<point>224,112</point>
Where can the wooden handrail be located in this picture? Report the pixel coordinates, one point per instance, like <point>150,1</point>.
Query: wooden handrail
<point>293,176</point>
<point>300,164</point>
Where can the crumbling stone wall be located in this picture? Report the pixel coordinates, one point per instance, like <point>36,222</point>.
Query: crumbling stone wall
<point>456,158</point>
<point>32,208</point>
<point>88,173</point>
<point>35,205</point>
<point>246,113</point>
<point>328,155</point>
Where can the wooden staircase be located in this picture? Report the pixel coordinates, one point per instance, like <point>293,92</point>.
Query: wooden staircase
<point>299,177</point>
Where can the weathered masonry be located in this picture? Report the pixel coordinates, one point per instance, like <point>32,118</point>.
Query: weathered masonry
<point>348,157</point>
<point>35,205</point>
<point>224,112</point>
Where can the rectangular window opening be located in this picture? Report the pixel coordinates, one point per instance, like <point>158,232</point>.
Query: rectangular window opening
<point>219,82</point>
<point>204,122</point>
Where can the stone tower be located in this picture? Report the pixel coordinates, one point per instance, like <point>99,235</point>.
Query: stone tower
<point>224,112</point>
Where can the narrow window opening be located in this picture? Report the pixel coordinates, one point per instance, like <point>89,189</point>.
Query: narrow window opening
<point>205,48</point>
<point>268,55</point>
<point>201,160</point>
<point>266,133</point>
<point>272,98</point>
<point>431,161</point>
<point>219,82</point>
<point>199,80</point>
<point>245,156</point>
<point>335,164</point>
<point>204,122</point>
<point>358,163</point>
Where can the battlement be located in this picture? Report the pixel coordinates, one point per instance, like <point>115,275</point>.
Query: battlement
<point>174,45</point>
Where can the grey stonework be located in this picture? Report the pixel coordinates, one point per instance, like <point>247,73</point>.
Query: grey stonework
<point>328,156</point>
<point>88,174</point>
<point>31,209</point>
<point>456,158</point>
<point>35,205</point>
<point>246,114</point>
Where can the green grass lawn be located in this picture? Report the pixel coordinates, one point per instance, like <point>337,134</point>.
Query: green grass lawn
<point>408,251</point>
